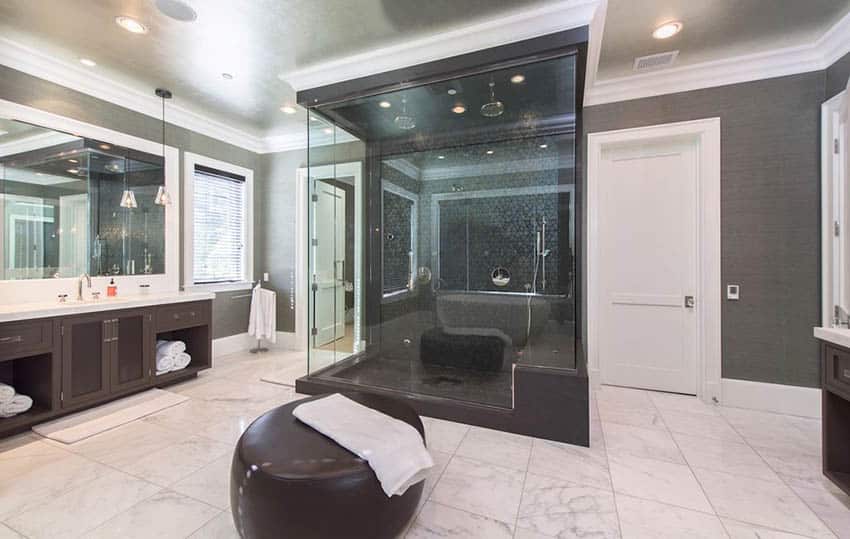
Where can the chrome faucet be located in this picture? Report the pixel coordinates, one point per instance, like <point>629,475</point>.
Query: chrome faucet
<point>80,285</point>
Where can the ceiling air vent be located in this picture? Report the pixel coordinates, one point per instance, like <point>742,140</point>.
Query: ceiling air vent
<point>655,61</point>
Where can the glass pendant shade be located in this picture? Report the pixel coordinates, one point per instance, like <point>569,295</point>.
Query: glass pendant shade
<point>162,196</point>
<point>128,199</point>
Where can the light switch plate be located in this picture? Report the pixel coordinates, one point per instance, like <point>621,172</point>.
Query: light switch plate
<point>266,276</point>
<point>733,292</point>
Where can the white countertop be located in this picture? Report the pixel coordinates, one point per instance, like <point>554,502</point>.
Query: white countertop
<point>839,336</point>
<point>47,309</point>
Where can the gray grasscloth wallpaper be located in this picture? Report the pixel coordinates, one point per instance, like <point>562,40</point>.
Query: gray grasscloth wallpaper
<point>230,317</point>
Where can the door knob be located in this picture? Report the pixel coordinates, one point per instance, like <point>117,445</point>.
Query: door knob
<point>689,302</point>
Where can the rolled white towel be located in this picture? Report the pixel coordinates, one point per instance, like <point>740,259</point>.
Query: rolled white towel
<point>170,348</point>
<point>6,392</point>
<point>165,363</point>
<point>18,405</point>
<point>181,361</point>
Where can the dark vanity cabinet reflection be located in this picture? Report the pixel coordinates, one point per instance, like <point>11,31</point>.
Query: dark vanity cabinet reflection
<point>104,354</point>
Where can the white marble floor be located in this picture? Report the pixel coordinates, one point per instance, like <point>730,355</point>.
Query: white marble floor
<point>660,465</point>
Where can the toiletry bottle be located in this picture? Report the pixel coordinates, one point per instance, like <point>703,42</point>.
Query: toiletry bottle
<point>112,289</point>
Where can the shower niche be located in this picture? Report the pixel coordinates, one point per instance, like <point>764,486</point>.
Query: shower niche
<point>443,222</point>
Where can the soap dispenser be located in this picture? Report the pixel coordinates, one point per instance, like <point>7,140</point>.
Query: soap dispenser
<point>112,288</point>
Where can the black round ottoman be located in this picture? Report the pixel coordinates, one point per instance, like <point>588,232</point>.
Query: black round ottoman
<point>288,480</point>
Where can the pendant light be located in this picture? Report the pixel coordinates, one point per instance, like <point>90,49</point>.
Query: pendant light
<point>162,196</point>
<point>128,199</point>
<point>494,107</point>
<point>403,120</point>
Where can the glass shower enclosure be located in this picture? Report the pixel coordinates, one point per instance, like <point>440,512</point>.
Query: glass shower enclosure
<point>443,236</point>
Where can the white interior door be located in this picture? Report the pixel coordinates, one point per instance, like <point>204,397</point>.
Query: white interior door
<point>328,263</point>
<point>647,234</point>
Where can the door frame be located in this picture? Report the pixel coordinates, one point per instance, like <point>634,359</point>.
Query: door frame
<point>706,133</point>
<point>302,279</point>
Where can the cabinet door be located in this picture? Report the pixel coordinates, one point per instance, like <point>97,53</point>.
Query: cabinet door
<point>85,353</point>
<point>131,350</point>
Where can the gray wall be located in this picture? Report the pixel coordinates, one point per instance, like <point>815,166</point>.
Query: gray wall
<point>836,76</point>
<point>34,92</point>
<point>770,174</point>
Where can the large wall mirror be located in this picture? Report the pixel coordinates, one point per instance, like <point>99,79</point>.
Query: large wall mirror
<point>73,205</point>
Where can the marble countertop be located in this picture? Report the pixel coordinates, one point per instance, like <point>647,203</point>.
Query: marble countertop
<point>47,309</point>
<point>839,336</point>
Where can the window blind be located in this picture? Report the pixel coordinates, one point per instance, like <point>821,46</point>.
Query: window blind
<point>219,226</point>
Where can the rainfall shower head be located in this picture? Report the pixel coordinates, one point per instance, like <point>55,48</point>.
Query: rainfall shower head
<point>403,120</point>
<point>494,107</point>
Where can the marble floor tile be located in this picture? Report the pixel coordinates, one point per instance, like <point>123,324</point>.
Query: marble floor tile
<point>188,417</point>
<point>81,509</point>
<point>626,440</point>
<point>764,429</point>
<point>480,488</point>
<point>796,468</point>
<point>220,527</point>
<point>441,460</point>
<point>228,430</point>
<point>624,397</point>
<point>644,519</point>
<point>126,444</point>
<point>442,435</point>
<point>765,503</point>
<point>165,515</point>
<point>723,456</point>
<point>557,508</point>
<point>170,464</point>
<point>439,521</point>
<point>25,458</point>
<point>744,530</point>
<point>832,508</point>
<point>210,484</point>
<point>8,533</point>
<point>29,489</point>
<point>638,417</point>
<point>704,425</point>
<point>580,465</point>
<point>660,481</point>
<point>682,403</point>
<point>495,447</point>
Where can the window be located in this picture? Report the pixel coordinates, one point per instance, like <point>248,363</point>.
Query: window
<point>217,223</point>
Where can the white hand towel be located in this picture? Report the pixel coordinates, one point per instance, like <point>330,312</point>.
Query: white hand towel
<point>394,449</point>
<point>6,392</point>
<point>262,319</point>
<point>170,348</point>
<point>165,363</point>
<point>18,405</point>
<point>181,361</point>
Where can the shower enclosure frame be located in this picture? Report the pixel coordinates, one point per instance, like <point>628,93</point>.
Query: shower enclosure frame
<point>548,402</point>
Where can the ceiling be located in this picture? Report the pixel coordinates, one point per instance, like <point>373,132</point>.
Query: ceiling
<point>713,29</point>
<point>257,40</point>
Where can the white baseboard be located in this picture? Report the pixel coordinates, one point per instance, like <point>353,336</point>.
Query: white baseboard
<point>232,344</point>
<point>242,342</point>
<point>777,398</point>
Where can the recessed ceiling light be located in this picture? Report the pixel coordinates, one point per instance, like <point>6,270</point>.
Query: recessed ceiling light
<point>518,78</point>
<point>327,131</point>
<point>385,104</point>
<point>227,76</point>
<point>668,29</point>
<point>72,171</point>
<point>544,146</point>
<point>74,161</point>
<point>131,25</point>
<point>451,91</point>
<point>459,109</point>
<point>441,157</point>
<point>490,152</point>
<point>287,109</point>
<point>87,62</point>
<point>105,147</point>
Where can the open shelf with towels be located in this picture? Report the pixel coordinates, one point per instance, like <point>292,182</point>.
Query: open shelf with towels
<point>30,376</point>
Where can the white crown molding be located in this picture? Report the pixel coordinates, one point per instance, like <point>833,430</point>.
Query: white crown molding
<point>517,26</point>
<point>41,65</point>
<point>815,56</point>
<point>35,142</point>
<point>405,167</point>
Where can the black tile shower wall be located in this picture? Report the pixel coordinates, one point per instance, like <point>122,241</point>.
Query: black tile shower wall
<point>770,229</point>
<point>397,241</point>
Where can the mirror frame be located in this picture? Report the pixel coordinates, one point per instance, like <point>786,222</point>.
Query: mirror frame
<point>46,290</point>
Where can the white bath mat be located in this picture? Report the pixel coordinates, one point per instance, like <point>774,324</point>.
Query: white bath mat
<point>82,425</point>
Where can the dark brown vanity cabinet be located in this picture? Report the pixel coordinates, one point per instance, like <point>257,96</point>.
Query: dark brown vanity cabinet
<point>835,420</point>
<point>105,353</point>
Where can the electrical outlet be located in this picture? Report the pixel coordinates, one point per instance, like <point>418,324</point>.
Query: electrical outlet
<point>266,276</point>
<point>733,292</point>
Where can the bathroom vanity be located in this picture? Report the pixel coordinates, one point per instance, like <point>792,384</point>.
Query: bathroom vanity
<point>835,357</point>
<point>74,355</point>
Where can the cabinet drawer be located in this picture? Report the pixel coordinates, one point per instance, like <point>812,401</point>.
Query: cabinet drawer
<point>837,371</point>
<point>182,315</point>
<point>19,338</point>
